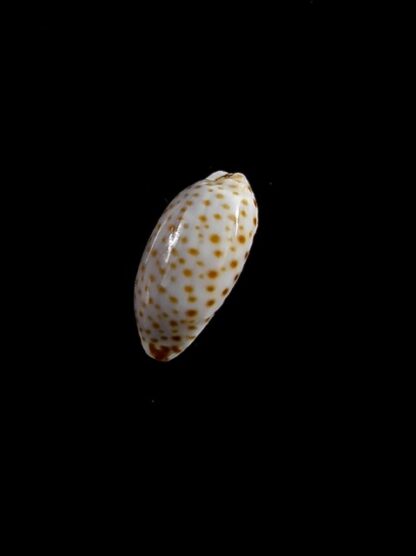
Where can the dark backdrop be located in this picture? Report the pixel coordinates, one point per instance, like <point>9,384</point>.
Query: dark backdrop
<point>125,112</point>
<point>114,113</point>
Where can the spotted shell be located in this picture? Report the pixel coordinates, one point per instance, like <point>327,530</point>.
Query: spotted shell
<point>192,261</point>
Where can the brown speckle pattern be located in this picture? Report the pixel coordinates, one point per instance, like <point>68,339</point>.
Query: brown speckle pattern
<point>192,261</point>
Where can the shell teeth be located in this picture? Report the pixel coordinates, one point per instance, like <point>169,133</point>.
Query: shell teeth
<point>192,261</point>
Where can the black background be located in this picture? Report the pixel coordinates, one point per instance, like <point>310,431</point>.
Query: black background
<point>125,111</point>
<point>114,112</point>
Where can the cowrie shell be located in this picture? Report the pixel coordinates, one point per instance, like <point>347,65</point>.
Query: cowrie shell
<point>192,261</point>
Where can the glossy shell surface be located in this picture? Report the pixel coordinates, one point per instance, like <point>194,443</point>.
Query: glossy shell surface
<point>192,261</point>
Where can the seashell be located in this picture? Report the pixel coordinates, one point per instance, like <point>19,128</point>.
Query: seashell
<point>192,261</point>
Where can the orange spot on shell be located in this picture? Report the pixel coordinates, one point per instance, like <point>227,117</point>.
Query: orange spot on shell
<point>215,238</point>
<point>187,272</point>
<point>159,353</point>
<point>212,274</point>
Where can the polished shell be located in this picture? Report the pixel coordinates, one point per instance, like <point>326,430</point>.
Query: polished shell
<point>192,261</point>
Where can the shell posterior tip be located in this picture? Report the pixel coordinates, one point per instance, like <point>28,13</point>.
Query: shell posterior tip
<point>221,176</point>
<point>216,175</point>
